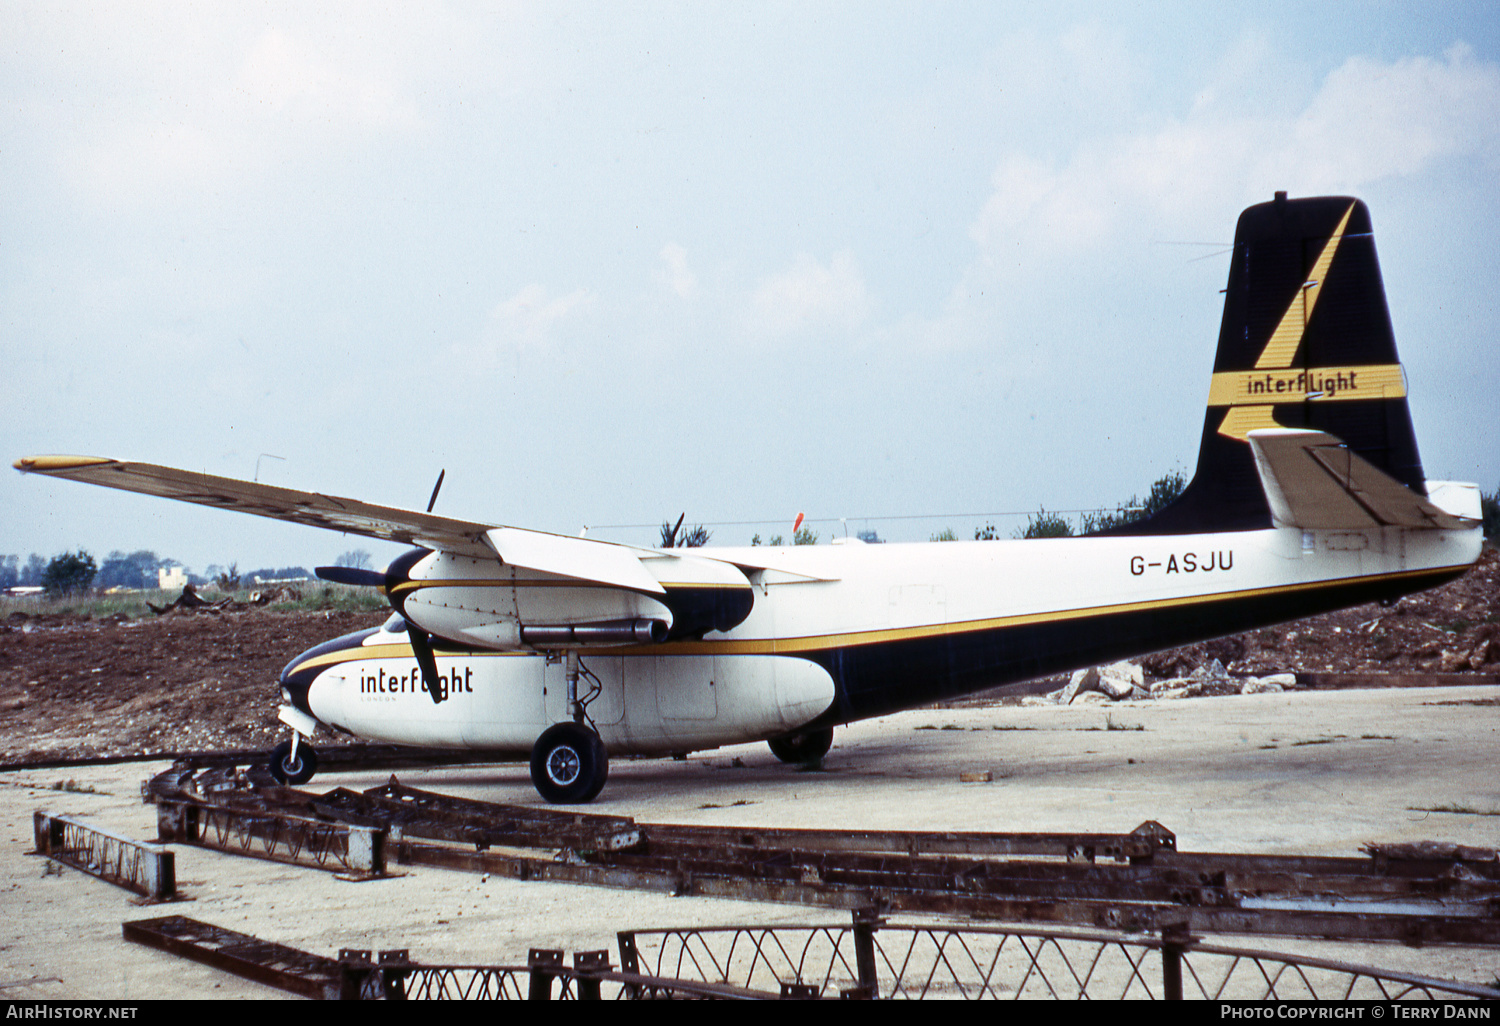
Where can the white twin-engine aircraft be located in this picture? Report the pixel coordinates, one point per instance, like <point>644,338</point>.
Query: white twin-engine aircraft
<point>1308,496</point>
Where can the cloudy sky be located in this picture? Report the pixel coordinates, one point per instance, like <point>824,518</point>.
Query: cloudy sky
<point>609,263</point>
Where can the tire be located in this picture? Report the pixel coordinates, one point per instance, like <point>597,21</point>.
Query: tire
<point>569,764</point>
<point>289,773</point>
<point>802,748</point>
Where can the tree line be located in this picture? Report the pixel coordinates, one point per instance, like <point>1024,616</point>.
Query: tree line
<point>75,572</point>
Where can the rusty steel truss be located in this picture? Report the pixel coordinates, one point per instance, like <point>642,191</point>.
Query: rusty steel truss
<point>362,975</point>
<point>1136,883</point>
<point>872,958</point>
<point>147,869</point>
<point>867,959</point>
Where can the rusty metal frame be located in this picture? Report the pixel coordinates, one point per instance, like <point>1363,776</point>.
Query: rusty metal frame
<point>1137,882</point>
<point>357,852</point>
<point>359,974</point>
<point>274,965</point>
<point>146,869</point>
<point>873,958</point>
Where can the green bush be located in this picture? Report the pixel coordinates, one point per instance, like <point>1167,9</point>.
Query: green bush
<point>1046,525</point>
<point>1166,489</point>
<point>69,574</point>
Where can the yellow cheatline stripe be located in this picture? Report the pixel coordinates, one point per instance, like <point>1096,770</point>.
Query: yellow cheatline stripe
<point>358,653</point>
<point>1288,334</point>
<point>560,582</point>
<point>1321,384</point>
<point>824,642</point>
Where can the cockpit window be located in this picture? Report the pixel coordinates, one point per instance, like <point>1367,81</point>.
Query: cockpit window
<point>395,625</point>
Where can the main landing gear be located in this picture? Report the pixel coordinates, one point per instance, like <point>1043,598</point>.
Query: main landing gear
<point>802,749</point>
<point>569,763</point>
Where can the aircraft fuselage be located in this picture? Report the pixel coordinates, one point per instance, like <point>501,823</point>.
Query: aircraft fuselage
<point>842,632</point>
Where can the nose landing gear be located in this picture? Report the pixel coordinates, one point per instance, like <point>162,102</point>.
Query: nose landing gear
<point>293,763</point>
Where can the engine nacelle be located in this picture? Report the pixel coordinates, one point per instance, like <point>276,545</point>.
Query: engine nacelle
<point>485,603</point>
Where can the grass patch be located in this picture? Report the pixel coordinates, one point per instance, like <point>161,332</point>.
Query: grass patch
<point>316,597</point>
<point>341,598</point>
<point>1457,810</point>
<point>1276,742</point>
<point>131,604</point>
<point>74,787</point>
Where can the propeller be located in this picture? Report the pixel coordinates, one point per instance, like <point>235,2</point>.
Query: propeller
<point>355,576</point>
<point>421,641</point>
<point>421,647</point>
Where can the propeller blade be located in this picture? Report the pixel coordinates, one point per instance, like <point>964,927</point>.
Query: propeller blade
<point>352,575</point>
<point>433,501</point>
<point>421,647</point>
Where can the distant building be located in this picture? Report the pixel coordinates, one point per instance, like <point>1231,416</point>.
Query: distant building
<point>171,578</point>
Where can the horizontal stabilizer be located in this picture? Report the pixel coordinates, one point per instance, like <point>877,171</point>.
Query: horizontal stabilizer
<point>1314,481</point>
<point>350,516</point>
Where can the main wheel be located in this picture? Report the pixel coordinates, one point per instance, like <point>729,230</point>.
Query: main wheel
<point>802,748</point>
<point>569,764</point>
<point>289,771</point>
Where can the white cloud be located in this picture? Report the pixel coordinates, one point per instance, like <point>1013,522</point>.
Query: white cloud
<point>528,319</point>
<point>1373,121</point>
<point>530,324</point>
<point>674,272</point>
<point>1367,122</point>
<point>813,295</point>
<point>293,79</point>
<point>145,107</point>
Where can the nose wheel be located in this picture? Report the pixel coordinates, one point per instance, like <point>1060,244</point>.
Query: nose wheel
<point>293,763</point>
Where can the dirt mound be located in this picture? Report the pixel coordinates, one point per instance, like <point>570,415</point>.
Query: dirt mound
<point>186,681</point>
<point>1452,629</point>
<point>207,679</point>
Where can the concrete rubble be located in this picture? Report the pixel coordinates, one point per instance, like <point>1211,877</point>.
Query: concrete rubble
<point>1126,681</point>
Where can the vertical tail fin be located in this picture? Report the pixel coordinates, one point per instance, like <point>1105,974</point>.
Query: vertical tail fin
<point>1306,342</point>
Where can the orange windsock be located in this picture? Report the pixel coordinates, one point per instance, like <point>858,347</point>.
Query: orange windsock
<point>797,523</point>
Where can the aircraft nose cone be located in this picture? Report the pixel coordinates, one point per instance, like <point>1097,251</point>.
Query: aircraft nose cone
<point>298,675</point>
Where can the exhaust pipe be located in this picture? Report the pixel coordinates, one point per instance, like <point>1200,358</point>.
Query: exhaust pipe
<point>640,631</point>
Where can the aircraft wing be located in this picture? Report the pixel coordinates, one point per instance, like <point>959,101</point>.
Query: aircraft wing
<point>1314,481</point>
<point>329,511</point>
<point>620,566</point>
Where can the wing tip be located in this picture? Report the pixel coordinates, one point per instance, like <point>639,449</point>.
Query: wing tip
<point>53,464</point>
